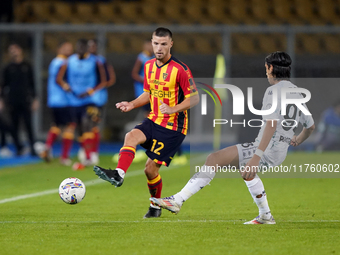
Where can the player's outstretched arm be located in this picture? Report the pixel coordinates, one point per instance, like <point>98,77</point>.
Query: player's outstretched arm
<point>125,106</point>
<point>305,133</point>
<point>185,105</point>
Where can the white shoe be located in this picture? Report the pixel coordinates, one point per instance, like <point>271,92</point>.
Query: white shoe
<point>94,157</point>
<point>261,220</point>
<point>6,153</point>
<point>81,154</point>
<point>168,203</point>
<point>65,161</point>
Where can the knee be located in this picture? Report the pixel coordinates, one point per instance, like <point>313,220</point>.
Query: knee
<point>151,169</point>
<point>130,137</point>
<point>211,159</point>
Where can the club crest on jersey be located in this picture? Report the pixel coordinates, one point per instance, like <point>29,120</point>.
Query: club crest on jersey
<point>165,75</point>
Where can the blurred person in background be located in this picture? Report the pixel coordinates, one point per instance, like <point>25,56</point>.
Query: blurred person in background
<point>18,92</point>
<point>85,75</point>
<point>138,73</point>
<point>58,102</point>
<point>99,99</point>
<point>328,130</point>
<point>6,128</point>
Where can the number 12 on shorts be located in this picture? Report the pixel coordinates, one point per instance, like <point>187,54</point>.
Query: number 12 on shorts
<point>160,146</point>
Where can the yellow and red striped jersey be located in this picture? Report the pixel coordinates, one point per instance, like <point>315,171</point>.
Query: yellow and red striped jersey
<point>172,83</point>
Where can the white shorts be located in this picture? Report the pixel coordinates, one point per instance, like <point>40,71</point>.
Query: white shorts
<point>273,156</point>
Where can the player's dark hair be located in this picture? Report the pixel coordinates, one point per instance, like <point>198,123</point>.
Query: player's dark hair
<point>62,42</point>
<point>163,32</point>
<point>15,44</point>
<point>94,40</point>
<point>281,62</point>
<point>82,42</point>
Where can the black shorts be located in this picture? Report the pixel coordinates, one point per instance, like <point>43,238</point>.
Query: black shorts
<point>62,116</point>
<point>161,143</point>
<point>91,112</point>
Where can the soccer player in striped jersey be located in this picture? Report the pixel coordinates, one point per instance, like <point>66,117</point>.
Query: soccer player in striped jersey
<point>57,101</point>
<point>170,89</point>
<point>269,149</point>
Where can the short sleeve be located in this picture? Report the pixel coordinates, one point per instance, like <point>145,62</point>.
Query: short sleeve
<point>306,120</point>
<point>267,104</point>
<point>187,83</point>
<point>146,86</point>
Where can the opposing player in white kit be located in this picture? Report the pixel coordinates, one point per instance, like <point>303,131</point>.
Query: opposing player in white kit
<point>269,149</point>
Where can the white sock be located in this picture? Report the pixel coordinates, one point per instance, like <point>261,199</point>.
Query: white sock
<point>256,188</point>
<point>121,172</point>
<point>154,206</point>
<point>196,183</point>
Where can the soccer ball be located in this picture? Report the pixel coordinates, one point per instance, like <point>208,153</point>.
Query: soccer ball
<point>72,190</point>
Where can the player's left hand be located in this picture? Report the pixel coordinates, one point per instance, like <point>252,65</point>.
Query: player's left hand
<point>250,170</point>
<point>89,92</point>
<point>83,95</point>
<point>165,109</point>
<point>294,141</point>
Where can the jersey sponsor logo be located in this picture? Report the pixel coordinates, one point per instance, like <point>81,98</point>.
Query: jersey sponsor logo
<point>284,139</point>
<point>160,93</point>
<point>192,89</point>
<point>157,82</point>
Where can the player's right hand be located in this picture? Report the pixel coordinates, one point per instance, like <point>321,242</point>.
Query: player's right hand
<point>124,106</point>
<point>66,87</point>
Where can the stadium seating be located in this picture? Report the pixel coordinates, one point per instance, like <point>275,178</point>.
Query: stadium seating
<point>328,11</point>
<point>62,13</point>
<point>85,13</point>
<point>331,43</point>
<point>262,12</point>
<point>308,44</point>
<point>41,11</point>
<point>186,12</point>
<point>284,11</point>
<point>307,12</point>
<point>295,12</point>
<point>243,44</point>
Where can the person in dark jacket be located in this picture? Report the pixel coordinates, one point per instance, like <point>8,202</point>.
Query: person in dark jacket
<point>18,92</point>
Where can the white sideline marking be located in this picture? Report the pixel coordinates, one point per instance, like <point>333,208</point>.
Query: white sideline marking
<point>87,183</point>
<point>162,221</point>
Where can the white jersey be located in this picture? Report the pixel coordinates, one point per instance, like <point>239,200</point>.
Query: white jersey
<point>277,148</point>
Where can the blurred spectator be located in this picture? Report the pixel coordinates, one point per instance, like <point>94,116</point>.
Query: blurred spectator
<point>57,101</point>
<point>6,128</point>
<point>328,131</point>
<point>85,76</point>
<point>100,98</point>
<point>6,10</point>
<point>18,92</point>
<point>138,73</point>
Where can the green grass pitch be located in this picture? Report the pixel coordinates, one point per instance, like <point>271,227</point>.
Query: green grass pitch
<point>110,220</point>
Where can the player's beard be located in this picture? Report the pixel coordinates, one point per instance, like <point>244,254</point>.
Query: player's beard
<point>161,57</point>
